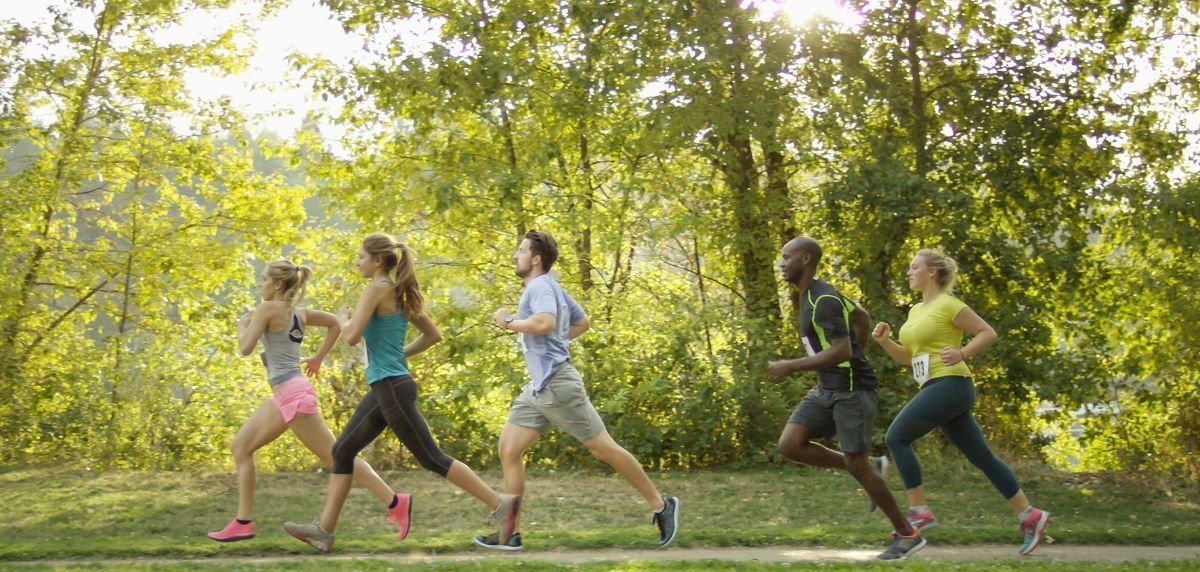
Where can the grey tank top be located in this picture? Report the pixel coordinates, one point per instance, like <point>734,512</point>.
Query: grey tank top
<point>282,352</point>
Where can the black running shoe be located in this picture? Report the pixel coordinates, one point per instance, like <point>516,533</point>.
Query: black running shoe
<point>492,541</point>
<point>667,520</point>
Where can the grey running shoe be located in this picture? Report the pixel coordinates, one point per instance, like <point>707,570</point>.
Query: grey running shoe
<point>505,516</point>
<point>667,520</point>
<point>901,547</point>
<point>492,541</point>
<point>311,533</point>
<point>881,465</point>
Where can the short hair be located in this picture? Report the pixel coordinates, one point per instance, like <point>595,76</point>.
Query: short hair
<point>542,244</point>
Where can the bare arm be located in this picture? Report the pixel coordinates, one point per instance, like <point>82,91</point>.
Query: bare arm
<point>251,329</point>
<point>540,324</point>
<point>333,330</point>
<point>983,336</point>
<point>578,328</point>
<point>430,335</point>
<point>883,337</point>
<point>839,350</point>
<point>860,324</point>
<point>312,365</point>
<point>352,327</point>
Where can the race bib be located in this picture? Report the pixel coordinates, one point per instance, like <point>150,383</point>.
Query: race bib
<point>808,347</point>
<point>920,368</point>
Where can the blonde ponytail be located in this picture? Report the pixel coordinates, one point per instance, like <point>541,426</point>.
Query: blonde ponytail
<point>292,280</point>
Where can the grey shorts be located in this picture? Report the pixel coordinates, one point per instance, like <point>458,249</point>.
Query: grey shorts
<point>848,414</point>
<point>563,403</point>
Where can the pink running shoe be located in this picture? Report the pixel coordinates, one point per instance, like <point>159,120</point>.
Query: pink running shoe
<point>401,514</point>
<point>921,521</point>
<point>233,532</point>
<point>1033,529</point>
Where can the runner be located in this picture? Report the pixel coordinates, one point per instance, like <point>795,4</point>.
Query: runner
<point>390,302</point>
<point>281,327</point>
<point>931,344</point>
<point>843,403</point>
<point>547,320</point>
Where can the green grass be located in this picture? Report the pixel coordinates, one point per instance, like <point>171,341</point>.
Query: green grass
<point>65,513</point>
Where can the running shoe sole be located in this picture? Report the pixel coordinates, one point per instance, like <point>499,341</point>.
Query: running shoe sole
<point>232,538</point>
<point>502,547</point>
<point>306,541</point>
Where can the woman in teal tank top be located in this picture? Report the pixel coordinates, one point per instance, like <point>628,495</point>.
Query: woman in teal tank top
<point>384,338</point>
<point>390,302</point>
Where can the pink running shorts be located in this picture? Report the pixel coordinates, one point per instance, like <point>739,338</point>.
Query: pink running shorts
<point>293,396</point>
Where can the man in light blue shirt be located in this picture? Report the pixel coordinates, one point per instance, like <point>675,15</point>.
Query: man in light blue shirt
<point>547,320</point>
<point>545,353</point>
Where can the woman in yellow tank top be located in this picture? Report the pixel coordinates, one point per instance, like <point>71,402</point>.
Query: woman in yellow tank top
<point>931,345</point>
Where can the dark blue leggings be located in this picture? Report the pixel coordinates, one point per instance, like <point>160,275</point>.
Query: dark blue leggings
<point>391,402</point>
<point>945,403</point>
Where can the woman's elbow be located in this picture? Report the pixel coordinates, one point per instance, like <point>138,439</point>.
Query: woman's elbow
<point>435,337</point>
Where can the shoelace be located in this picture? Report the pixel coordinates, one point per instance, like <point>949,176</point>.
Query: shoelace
<point>660,519</point>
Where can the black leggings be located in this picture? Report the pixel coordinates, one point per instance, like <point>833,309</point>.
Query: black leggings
<point>392,402</point>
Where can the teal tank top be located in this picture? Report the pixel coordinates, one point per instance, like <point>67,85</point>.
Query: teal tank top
<point>384,337</point>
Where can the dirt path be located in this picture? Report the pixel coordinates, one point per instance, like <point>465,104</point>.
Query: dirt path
<point>778,554</point>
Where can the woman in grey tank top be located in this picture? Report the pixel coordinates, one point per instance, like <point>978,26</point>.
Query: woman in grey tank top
<point>293,404</point>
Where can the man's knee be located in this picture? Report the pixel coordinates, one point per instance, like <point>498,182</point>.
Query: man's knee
<point>604,448</point>
<point>793,440</point>
<point>788,447</point>
<point>857,463</point>
<point>510,452</point>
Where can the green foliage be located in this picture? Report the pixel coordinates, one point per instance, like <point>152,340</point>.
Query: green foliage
<point>671,147</point>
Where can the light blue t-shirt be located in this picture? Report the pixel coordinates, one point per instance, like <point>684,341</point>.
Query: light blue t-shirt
<point>544,353</point>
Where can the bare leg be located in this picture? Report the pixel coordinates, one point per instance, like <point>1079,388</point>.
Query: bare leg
<point>515,440</point>
<point>796,445</point>
<point>263,426</point>
<point>464,478</point>
<point>603,447</point>
<point>916,496</point>
<point>315,434</point>
<point>1018,502</point>
<point>339,489</point>
<point>864,472</point>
